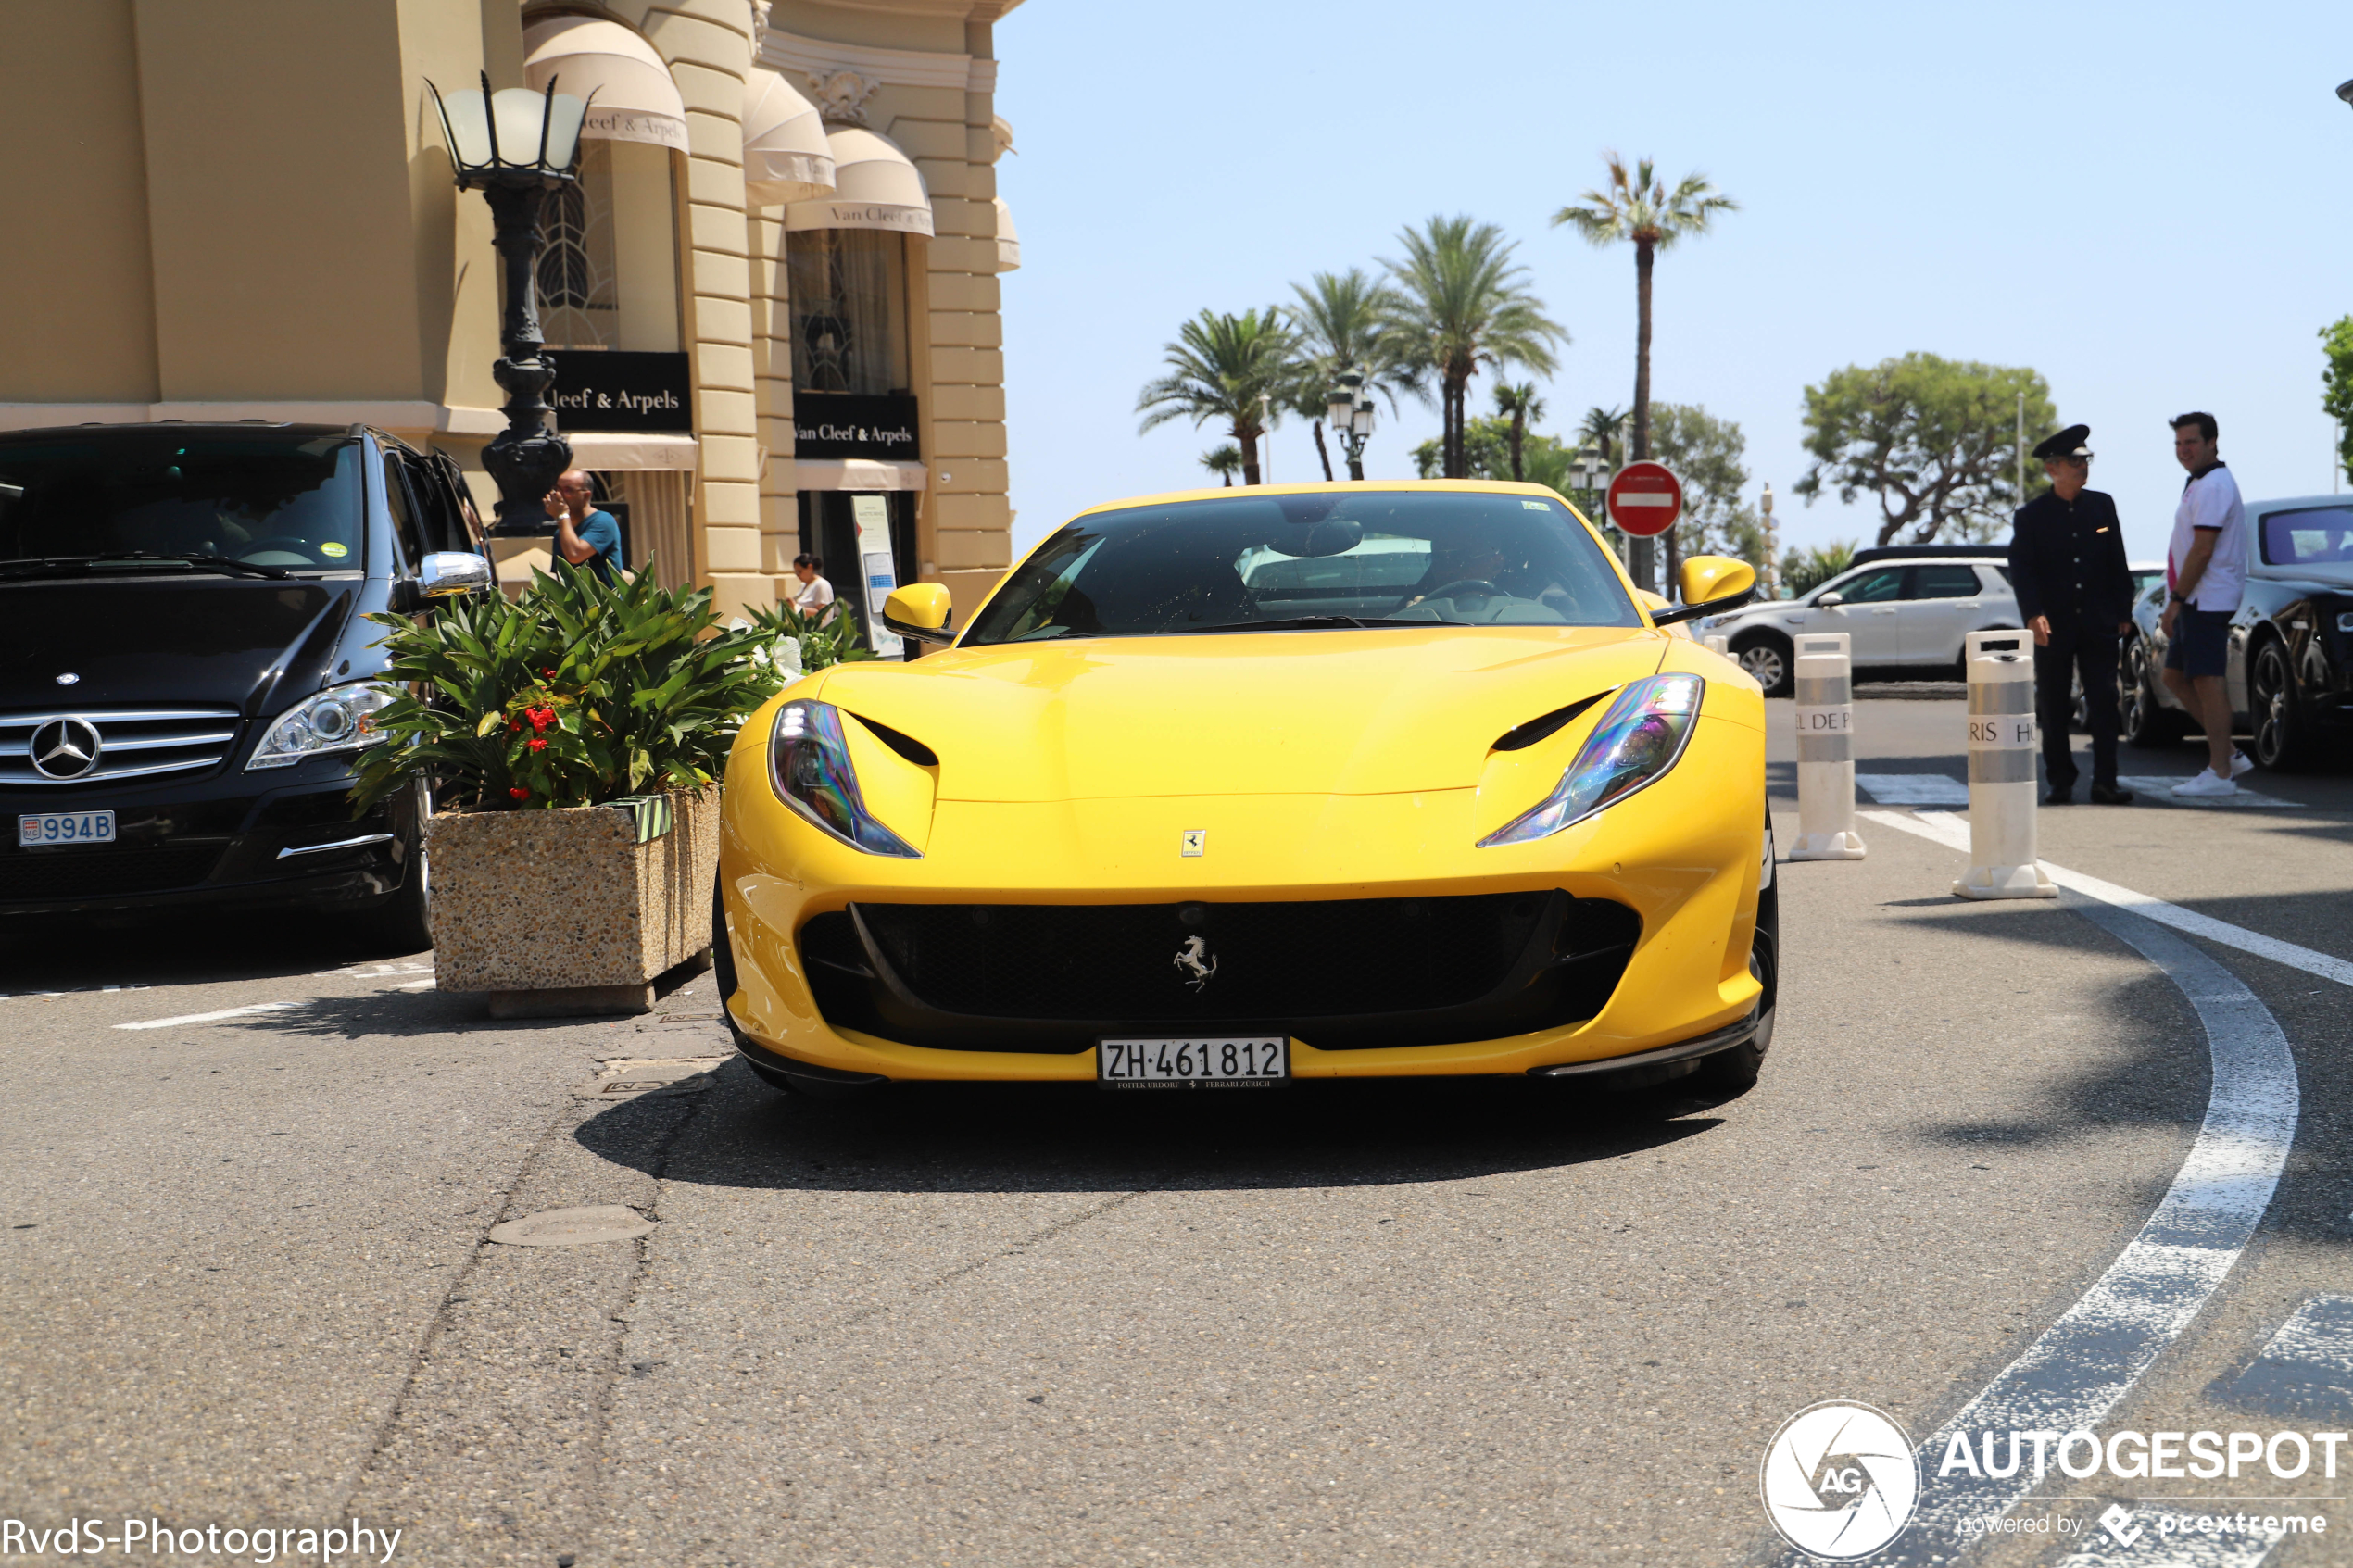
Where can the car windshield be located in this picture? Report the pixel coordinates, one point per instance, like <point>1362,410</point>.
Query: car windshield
<point>295,505</point>
<point>1313,561</point>
<point>2315,536</point>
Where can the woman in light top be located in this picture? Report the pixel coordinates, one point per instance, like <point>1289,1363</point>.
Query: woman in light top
<point>815,597</point>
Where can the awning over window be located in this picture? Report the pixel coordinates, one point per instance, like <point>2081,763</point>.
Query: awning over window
<point>876,186</point>
<point>1007,239</point>
<point>859,473</point>
<point>636,100</point>
<point>786,158</point>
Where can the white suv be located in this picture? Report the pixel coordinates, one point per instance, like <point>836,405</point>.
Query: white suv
<point>1907,614</point>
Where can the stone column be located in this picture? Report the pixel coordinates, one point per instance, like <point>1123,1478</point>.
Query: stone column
<point>708,45</point>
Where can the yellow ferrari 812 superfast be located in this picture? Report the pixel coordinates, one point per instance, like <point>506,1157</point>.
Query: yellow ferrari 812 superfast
<point>1234,787</point>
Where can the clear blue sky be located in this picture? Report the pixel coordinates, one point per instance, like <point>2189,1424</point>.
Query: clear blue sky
<point>2146,203</point>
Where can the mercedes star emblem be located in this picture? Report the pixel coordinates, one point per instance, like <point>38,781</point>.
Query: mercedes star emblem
<point>68,679</point>
<point>65,748</point>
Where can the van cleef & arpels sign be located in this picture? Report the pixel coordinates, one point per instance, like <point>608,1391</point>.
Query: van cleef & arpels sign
<point>837,424</point>
<point>622,390</point>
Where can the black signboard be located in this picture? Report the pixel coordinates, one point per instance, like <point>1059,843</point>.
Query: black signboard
<point>622,390</point>
<point>839,424</point>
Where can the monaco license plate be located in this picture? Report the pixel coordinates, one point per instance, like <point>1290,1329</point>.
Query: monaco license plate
<point>1220,1063</point>
<point>64,827</point>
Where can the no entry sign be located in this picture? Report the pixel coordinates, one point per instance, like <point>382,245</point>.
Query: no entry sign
<point>1645,499</point>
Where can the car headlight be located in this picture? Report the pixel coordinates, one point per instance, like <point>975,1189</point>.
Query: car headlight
<point>339,719</point>
<point>2345,621</point>
<point>1639,738</point>
<point>809,763</point>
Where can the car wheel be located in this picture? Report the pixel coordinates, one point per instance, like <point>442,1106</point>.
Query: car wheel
<point>2142,720</point>
<point>1767,658</point>
<point>1734,1071</point>
<point>2283,734</point>
<point>403,923</point>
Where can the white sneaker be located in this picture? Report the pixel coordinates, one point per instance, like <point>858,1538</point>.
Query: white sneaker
<point>2206,784</point>
<point>2241,764</point>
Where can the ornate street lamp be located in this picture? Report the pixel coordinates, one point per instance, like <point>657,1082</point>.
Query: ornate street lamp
<point>1591,474</point>
<point>1348,408</point>
<point>518,146</point>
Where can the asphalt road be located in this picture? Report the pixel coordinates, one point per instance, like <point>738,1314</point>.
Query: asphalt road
<point>247,1279</point>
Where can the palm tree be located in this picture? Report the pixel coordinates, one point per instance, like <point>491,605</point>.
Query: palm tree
<point>1461,305</point>
<point>1639,209</point>
<point>1342,320</point>
<point>1608,428</point>
<point>1226,368</point>
<point>1523,408</point>
<point>1222,461</point>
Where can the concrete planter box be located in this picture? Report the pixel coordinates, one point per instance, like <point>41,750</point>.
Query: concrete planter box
<point>562,912</point>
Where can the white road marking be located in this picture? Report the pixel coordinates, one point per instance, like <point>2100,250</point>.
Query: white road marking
<point>2159,791</point>
<point>71,991</point>
<point>2078,1369</point>
<point>1952,832</point>
<point>1913,789</point>
<point>414,985</point>
<point>206,1017</point>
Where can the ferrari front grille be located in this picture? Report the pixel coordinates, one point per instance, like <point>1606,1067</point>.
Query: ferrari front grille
<point>1338,973</point>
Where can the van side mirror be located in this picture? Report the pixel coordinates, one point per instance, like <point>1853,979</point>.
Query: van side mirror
<point>443,574</point>
<point>921,610</point>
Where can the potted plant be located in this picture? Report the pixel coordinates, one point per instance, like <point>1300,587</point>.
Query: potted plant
<point>572,738</point>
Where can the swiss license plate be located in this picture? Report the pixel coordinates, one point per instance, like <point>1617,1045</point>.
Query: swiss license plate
<point>64,827</point>
<point>1221,1062</point>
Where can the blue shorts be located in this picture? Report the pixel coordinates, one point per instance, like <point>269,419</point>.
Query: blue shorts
<point>2201,644</point>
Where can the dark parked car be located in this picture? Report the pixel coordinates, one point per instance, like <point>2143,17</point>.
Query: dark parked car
<point>185,674</point>
<point>2290,677</point>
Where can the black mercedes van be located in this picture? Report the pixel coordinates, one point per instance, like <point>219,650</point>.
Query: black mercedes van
<point>186,674</point>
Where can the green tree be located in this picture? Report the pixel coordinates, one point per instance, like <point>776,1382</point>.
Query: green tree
<point>1606,426</point>
<point>2336,384</point>
<point>1639,209</point>
<point>1805,571</point>
<point>1224,368</point>
<point>1462,304</point>
<point>1519,405</point>
<point>1342,320</point>
<point>1487,447</point>
<point>1935,440</point>
<point>1222,461</point>
<point>1707,454</point>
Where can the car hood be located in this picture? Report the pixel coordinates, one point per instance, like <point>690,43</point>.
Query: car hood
<point>1378,711</point>
<point>199,640</point>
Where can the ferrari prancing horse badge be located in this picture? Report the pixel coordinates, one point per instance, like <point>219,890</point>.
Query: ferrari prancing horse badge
<point>1196,842</point>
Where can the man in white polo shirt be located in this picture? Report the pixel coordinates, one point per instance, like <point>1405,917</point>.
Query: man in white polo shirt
<point>2205,570</point>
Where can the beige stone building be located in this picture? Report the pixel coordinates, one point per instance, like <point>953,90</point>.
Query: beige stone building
<point>773,298</point>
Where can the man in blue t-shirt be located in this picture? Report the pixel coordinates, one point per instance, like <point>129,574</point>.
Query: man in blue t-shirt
<point>583,533</point>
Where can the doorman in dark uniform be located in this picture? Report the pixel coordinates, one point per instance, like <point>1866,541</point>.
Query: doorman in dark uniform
<point>2075,593</point>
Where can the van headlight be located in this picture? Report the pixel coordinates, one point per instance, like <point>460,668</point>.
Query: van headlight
<point>339,719</point>
<point>1639,738</point>
<point>809,763</point>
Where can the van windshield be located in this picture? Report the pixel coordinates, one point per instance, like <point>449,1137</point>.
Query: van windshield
<point>298,506</point>
<point>1316,560</point>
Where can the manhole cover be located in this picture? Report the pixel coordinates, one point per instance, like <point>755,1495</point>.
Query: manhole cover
<point>627,1079</point>
<point>573,1227</point>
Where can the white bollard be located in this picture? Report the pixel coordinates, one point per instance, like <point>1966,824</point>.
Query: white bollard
<point>1825,751</point>
<point>2002,861</point>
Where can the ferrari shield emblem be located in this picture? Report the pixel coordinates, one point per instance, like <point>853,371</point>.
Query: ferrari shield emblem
<point>1196,843</point>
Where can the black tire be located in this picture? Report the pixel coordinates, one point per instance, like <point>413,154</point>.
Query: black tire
<point>403,923</point>
<point>2142,718</point>
<point>2282,740</point>
<point>1734,1071</point>
<point>1770,659</point>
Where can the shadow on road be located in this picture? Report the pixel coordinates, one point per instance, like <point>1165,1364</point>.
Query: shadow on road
<point>169,947</point>
<point>1005,1138</point>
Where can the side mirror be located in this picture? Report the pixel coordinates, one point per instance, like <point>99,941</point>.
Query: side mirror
<point>922,610</point>
<point>1830,602</point>
<point>443,574</point>
<point>1711,585</point>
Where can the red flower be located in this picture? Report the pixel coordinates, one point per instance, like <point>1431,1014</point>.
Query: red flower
<point>515,724</point>
<point>520,793</point>
<point>540,717</point>
<point>536,743</point>
<point>550,673</point>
